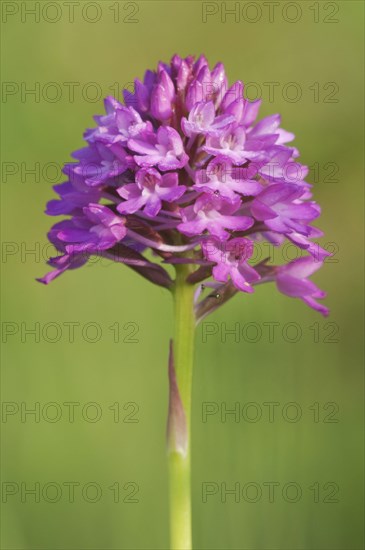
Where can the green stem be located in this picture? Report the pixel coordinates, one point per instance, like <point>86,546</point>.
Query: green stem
<point>179,463</point>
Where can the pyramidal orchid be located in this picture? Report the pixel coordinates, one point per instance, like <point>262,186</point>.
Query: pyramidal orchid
<point>183,168</point>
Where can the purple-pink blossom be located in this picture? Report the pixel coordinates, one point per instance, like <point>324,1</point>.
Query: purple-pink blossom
<point>231,259</point>
<point>291,279</point>
<point>149,191</point>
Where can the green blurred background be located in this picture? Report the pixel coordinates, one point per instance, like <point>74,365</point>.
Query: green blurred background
<point>323,367</point>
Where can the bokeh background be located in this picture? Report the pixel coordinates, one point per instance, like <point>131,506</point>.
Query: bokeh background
<point>118,357</point>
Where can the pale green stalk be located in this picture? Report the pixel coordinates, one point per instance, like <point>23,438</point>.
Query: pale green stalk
<point>179,462</point>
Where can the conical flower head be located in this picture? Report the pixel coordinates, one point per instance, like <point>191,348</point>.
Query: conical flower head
<point>184,168</point>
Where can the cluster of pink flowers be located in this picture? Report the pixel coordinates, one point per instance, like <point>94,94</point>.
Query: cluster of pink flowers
<point>182,168</point>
